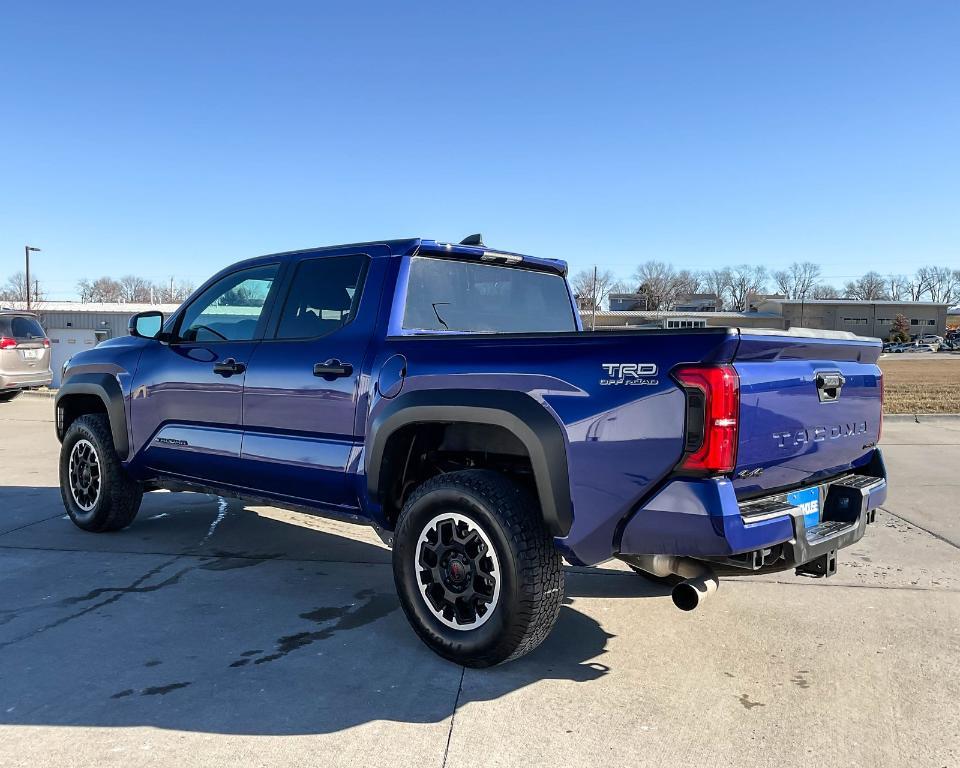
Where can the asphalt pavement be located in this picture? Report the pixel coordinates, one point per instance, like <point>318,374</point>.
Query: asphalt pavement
<point>216,633</point>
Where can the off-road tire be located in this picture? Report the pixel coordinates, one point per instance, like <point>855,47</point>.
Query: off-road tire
<point>119,496</point>
<point>531,576</point>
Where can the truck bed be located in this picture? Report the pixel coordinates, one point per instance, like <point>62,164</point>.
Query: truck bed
<point>624,426</point>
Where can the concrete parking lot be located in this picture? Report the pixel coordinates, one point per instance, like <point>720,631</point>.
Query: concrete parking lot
<point>213,633</point>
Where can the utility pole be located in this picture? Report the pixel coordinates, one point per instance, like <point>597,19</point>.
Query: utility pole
<point>26,253</point>
<point>593,321</point>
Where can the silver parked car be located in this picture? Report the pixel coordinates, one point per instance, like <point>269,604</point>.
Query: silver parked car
<point>24,354</point>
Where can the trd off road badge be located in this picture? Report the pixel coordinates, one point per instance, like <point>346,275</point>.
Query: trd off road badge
<point>630,374</point>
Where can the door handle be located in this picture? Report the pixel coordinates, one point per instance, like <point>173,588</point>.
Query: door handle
<point>332,369</point>
<point>228,367</point>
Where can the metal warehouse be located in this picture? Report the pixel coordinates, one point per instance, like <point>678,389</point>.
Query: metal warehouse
<point>865,318</point>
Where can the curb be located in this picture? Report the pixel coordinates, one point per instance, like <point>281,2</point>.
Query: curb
<point>921,418</point>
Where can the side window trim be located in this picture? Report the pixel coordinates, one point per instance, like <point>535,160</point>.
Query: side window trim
<point>265,314</point>
<point>273,328</point>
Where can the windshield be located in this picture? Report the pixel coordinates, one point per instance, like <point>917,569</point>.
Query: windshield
<point>448,295</point>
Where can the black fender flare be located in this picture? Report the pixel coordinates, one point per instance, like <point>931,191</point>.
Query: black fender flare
<point>516,412</point>
<point>107,388</point>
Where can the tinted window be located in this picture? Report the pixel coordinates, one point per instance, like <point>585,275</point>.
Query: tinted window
<point>21,328</point>
<point>324,296</point>
<point>447,295</point>
<point>230,309</point>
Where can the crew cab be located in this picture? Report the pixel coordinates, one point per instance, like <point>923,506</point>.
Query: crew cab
<point>447,395</point>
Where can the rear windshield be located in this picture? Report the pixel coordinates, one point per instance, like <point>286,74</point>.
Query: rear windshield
<point>448,295</point>
<point>21,328</point>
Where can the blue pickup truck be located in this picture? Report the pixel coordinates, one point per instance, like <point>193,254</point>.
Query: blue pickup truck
<point>447,395</point>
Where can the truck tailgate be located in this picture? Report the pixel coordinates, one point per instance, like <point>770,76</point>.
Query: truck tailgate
<point>810,407</point>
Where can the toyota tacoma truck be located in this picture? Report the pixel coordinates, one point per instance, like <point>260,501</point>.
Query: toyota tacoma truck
<point>447,395</point>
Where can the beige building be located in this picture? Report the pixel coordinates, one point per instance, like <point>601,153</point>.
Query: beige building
<point>865,318</point>
<point>643,319</point>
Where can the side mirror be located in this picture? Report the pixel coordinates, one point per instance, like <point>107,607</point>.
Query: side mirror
<point>146,325</point>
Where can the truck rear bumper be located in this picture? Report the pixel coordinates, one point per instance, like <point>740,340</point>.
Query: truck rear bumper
<point>702,518</point>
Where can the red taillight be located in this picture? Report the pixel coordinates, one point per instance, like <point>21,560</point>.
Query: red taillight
<point>46,343</point>
<point>7,343</point>
<point>713,413</point>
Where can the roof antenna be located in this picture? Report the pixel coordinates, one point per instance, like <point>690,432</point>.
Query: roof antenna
<point>476,239</point>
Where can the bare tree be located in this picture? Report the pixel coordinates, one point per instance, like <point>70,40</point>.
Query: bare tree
<point>686,283</point>
<point>941,284</point>
<point>591,287</point>
<point>661,285</point>
<point>134,290</point>
<point>898,288</point>
<point>718,282</point>
<point>15,289</point>
<point>916,288</point>
<point>825,291</point>
<point>870,287</point>
<point>798,280</point>
<point>85,289</point>
<point>623,286</point>
<point>657,282</point>
<point>745,280</point>
<point>171,293</point>
<point>104,290</point>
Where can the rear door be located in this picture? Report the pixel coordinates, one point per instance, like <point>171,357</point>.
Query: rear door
<point>810,408</point>
<point>301,439</point>
<point>187,403</point>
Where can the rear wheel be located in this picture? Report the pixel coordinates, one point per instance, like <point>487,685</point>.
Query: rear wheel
<point>476,570</point>
<point>97,492</point>
<point>6,397</point>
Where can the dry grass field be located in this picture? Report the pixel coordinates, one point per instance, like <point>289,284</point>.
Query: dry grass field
<point>921,383</point>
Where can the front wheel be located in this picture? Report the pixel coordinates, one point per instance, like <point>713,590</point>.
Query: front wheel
<point>97,492</point>
<point>476,569</point>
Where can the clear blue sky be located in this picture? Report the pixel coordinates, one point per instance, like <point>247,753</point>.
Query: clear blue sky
<point>173,138</point>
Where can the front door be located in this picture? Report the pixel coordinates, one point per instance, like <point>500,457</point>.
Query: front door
<point>187,404</point>
<point>302,387</point>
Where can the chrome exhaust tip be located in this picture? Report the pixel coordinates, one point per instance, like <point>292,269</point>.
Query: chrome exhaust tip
<point>689,594</point>
<point>699,579</point>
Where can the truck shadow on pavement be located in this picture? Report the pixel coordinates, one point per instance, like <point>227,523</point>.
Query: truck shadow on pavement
<point>208,616</point>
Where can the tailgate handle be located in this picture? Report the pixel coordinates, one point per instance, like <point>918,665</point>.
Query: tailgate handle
<point>829,386</point>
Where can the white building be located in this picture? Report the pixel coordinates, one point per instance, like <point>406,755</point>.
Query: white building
<point>73,326</point>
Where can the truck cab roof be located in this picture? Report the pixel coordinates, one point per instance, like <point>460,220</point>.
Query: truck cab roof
<point>416,245</point>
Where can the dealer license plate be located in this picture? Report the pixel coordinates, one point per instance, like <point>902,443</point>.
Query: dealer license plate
<point>807,503</point>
